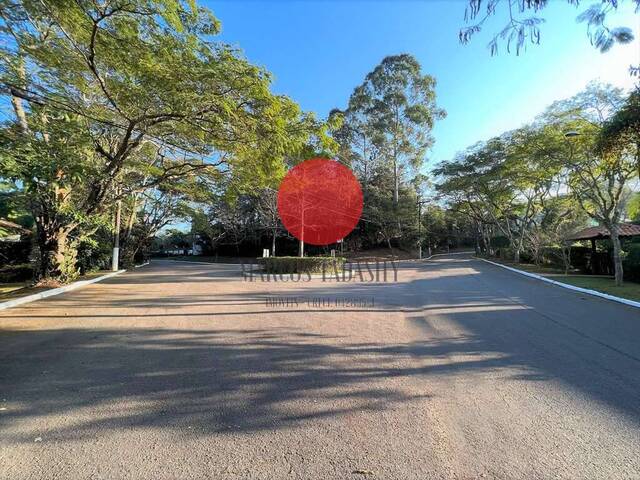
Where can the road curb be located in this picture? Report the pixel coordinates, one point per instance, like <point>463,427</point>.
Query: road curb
<point>56,291</point>
<point>595,293</point>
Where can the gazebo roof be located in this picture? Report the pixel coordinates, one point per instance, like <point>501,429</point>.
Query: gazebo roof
<point>597,233</point>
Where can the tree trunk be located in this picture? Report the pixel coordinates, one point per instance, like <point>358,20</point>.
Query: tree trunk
<point>115,259</point>
<point>516,255</point>
<point>566,258</point>
<point>486,238</point>
<point>485,243</point>
<point>396,184</point>
<point>16,101</point>
<point>20,114</point>
<point>57,256</point>
<point>273,244</point>
<point>128,245</point>
<point>617,258</point>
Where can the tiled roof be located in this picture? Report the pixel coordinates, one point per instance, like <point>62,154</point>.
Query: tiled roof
<point>625,230</point>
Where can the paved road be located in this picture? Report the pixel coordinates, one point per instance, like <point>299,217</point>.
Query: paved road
<point>458,370</point>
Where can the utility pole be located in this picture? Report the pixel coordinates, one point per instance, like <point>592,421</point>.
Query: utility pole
<point>302,205</point>
<point>420,203</point>
<point>116,238</point>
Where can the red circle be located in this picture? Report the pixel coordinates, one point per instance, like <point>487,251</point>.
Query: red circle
<point>320,201</point>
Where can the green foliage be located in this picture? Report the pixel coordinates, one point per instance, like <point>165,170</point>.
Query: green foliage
<point>597,177</point>
<point>633,208</point>
<point>173,238</point>
<point>68,269</point>
<point>117,100</point>
<point>12,253</point>
<point>94,253</point>
<point>537,185</point>
<point>620,134</point>
<point>16,273</point>
<point>504,182</point>
<point>14,205</point>
<point>384,136</point>
<point>632,263</point>
<point>397,104</point>
<point>519,31</point>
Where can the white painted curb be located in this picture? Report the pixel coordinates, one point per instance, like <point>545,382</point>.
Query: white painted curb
<point>567,286</point>
<point>56,291</point>
<point>141,265</point>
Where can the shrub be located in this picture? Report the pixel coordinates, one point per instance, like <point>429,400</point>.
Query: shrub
<point>504,253</point>
<point>631,263</point>
<point>15,253</point>
<point>302,264</point>
<point>500,241</point>
<point>93,255</point>
<point>16,273</point>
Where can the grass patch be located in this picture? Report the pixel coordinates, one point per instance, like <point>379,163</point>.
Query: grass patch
<point>531,268</point>
<point>23,291</point>
<point>6,288</point>
<point>630,290</point>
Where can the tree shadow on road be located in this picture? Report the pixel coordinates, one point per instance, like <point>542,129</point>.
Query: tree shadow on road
<point>219,380</point>
<point>202,382</point>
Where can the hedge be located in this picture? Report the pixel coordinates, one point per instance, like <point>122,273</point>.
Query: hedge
<point>631,263</point>
<point>15,253</point>
<point>16,273</point>
<point>302,264</point>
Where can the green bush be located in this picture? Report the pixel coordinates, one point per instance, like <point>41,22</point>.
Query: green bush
<point>94,255</point>
<point>15,253</point>
<point>302,264</point>
<point>631,263</point>
<point>16,273</point>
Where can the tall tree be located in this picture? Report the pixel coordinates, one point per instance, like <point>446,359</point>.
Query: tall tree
<point>504,182</point>
<point>398,103</point>
<point>622,131</point>
<point>598,178</point>
<point>269,216</point>
<point>97,87</point>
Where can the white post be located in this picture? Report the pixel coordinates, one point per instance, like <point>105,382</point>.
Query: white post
<point>116,240</point>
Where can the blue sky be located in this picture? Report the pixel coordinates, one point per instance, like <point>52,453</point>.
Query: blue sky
<point>318,51</point>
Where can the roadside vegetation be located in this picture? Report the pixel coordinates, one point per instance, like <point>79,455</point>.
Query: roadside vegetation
<point>600,283</point>
<point>131,120</point>
<point>126,115</point>
<point>629,290</point>
<point>529,190</point>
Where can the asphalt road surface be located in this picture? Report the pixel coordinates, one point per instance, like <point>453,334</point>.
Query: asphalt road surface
<point>457,370</point>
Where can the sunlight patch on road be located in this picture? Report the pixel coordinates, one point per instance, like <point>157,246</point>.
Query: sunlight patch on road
<point>440,309</point>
